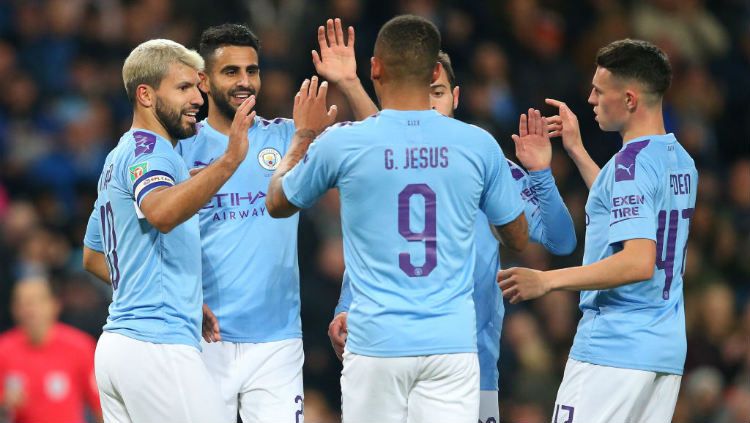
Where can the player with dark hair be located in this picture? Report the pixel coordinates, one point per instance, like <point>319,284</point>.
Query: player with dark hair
<point>250,271</point>
<point>629,351</point>
<point>143,238</point>
<point>411,183</point>
<point>550,224</point>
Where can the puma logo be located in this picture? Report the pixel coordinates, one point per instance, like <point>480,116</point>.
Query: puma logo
<point>626,168</point>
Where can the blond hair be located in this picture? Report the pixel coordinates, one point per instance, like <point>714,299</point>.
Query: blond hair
<point>149,63</point>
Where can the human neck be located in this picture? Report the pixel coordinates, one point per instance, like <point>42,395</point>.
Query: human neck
<point>145,120</point>
<point>37,336</point>
<point>217,120</point>
<point>647,122</point>
<point>405,97</point>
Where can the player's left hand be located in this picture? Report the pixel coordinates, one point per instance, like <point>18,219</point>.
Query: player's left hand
<point>533,147</point>
<point>310,107</point>
<point>336,61</point>
<point>521,284</point>
<point>337,331</point>
<point>211,331</point>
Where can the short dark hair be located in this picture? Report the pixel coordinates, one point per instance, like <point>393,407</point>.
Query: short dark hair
<point>445,62</point>
<point>638,60</point>
<point>227,34</point>
<point>408,45</point>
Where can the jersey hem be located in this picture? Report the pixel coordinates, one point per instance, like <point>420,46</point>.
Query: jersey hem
<point>410,353</point>
<point>260,340</point>
<point>154,340</point>
<point>620,365</point>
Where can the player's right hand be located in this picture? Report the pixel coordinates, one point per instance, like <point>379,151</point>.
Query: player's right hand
<point>211,332</point>
<point>243,120</point>
<point>565,125</point>
<point>310,107</point>
<point>336,61</point>
<point>337,331</point>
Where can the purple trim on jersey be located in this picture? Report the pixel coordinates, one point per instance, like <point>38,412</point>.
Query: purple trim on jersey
<point>516,173</point>
<point>276,121</point>
<point>144,142</point>
<point>625,160</point>
<point>151,173</point>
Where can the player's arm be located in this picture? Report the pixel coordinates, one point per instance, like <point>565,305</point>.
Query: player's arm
<point>565,124</point>
<point>634,263</point>
<point>93,258</point>
<point>167,207</point>
<point>337,64</point>
<point>550,223</point>
<point>337,329</point>
<point>514,234</point>
<point>95,263</point>
<point>311,118</point>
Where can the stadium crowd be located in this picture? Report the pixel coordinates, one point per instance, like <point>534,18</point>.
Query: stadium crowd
<point>63,107</point>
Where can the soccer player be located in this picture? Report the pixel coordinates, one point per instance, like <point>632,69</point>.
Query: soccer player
<point>411,182</point>
<point>629,351</point>
<point>250,271</point>
<point>143,238</point>
<point>46,367</point>
<point>549,224</point>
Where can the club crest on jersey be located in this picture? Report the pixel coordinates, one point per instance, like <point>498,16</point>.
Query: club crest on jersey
<point>137,170</point>
<point>269,158</point>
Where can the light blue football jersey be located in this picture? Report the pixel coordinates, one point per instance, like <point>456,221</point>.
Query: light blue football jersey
<point>550,224</point>
<point>647,190</point>
<point>250,272</point>
<point>155,276</point>
<point>410,184</point>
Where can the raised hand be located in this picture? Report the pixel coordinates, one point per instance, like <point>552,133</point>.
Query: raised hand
<point>521,284</point>
<point>310,107</point>
<point>243,120</point>
<point>336,61</point>
<point>565,125</point>
<point>533,148</point>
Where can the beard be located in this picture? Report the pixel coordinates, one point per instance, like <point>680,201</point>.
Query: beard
<point>172,121</point>
<point>222,100</point>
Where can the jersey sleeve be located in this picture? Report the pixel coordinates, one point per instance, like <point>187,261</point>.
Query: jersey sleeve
<point>315,174</point>
<point>549,220</point>
<point>633,199</point>
<point>500,199</point>
<point>93,236</point>
<point>345,298</point>
<point>147,172</point>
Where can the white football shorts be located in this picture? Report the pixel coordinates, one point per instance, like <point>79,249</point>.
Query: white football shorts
<point>590,393</point>
<point>143,382</point>
<point>441,388</point>
<point>262,380</point>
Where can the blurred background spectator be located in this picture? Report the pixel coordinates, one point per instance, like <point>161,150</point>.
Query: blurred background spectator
<point>47,368</point>
<point>63,108</point>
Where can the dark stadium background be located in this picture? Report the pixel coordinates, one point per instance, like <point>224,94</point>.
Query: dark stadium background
<point>63,107</point>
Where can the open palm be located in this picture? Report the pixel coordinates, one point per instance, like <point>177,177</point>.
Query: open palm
<point>533,147</point>
<point>336,61</point>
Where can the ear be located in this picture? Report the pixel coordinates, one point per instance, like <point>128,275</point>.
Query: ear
<point>435,73</point>
<point>376,68</point>
<point>203,84</point>
<point>145,95</point>
<point>631,100</point>
<point>456,92</point>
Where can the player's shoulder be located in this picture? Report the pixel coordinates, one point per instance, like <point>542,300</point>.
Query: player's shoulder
<point>516,171</point>
<point>139,143</point>
<point>345,129</point>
